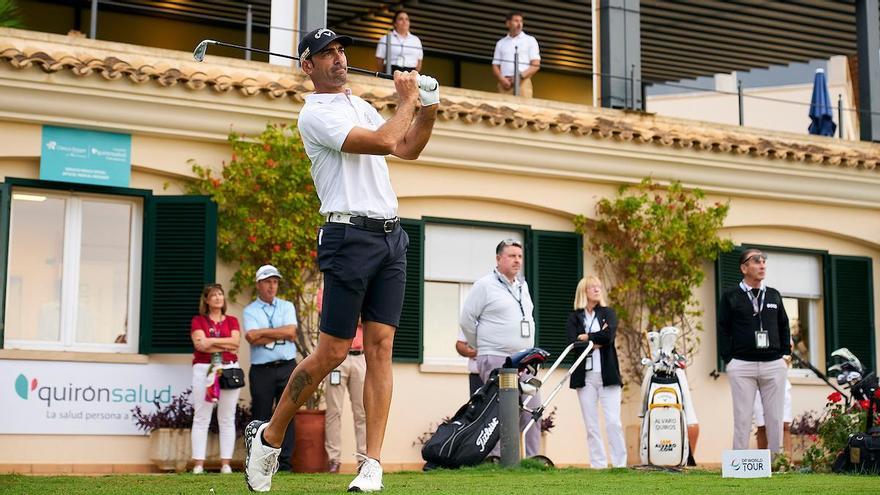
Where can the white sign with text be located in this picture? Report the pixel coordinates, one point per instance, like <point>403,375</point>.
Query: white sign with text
<point>745,464</point>
<point>54,397</point>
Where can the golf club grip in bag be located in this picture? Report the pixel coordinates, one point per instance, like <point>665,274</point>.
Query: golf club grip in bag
<point>467,438</point>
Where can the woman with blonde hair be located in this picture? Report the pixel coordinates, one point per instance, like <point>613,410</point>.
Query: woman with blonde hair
<point>597,378</point>
<point>215,336</point>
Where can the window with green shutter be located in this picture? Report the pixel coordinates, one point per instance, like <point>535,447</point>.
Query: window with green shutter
<point>180,245</point>
<point>408,338</point>
<point>849,312</point>
<point>555,267</point>
<point>846,293</point>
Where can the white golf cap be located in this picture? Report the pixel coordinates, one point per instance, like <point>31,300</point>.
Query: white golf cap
<point>267,271</point>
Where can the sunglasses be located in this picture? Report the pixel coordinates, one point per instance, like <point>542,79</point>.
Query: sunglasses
<point>507,242</point>
<point>757,258</point>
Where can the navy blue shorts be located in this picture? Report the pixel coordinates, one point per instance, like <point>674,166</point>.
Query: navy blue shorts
<point>364,276</point>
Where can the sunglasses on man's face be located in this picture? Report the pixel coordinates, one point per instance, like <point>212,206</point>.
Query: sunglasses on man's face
<point>757,258</point>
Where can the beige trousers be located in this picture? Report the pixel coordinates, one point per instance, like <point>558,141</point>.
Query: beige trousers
<point>525,88</point>
<point>747,378</point>
<point>352,373</point>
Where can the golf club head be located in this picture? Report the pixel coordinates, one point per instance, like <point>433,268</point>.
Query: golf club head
<point>845,354</point>
<point>668,336</point>
<point>201,50</point>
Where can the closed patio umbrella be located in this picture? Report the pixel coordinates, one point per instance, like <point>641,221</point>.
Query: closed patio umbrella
<point>821,113</point>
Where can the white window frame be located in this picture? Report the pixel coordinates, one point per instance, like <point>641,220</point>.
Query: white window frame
<point>71,270</point>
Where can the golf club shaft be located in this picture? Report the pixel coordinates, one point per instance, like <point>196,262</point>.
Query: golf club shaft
<point>356,70</point>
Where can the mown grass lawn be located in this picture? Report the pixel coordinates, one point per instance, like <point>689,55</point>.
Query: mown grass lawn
<point>480,480</point>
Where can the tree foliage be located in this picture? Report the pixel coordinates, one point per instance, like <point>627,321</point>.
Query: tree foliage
<point>10,15</point>
<point>650,244</point>
<point>268,214</point>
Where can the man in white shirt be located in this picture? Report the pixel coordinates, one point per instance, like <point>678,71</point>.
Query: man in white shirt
<point>361,248</point>
<point>525,48</point>
<point>406,48</point>
<point>497,321</point>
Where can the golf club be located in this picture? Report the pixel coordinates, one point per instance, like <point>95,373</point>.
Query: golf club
<point>202,49</point>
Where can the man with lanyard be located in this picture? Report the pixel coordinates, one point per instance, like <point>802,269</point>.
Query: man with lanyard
<point>270,329</point>
<point>361,248</point>
<point>755,343</point>
<point>496,319</point>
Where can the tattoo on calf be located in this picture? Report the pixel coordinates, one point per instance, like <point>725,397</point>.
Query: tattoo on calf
<point>298,383</point>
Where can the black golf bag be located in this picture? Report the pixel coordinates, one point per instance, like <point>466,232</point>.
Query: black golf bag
<point>862,452</point>
<point>467,438</point>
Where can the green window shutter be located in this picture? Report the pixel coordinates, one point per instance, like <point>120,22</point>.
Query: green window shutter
<point>180,257</point>
<point>4,247</point>
<point>408,338</point>
<point>556,266</point>
<point>849,307</point>
<point>727,274</point>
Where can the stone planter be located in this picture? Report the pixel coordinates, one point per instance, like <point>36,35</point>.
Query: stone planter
<point>171,449</point>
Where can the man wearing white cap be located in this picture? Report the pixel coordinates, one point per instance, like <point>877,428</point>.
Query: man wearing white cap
<point>270,329</point>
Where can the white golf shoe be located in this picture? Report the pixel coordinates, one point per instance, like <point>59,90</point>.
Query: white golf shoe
<point>369,478</point>
<point>261,461</point>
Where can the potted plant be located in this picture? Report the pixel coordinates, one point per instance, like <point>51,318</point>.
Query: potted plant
<point>268,214</point>
<point>169,428</point>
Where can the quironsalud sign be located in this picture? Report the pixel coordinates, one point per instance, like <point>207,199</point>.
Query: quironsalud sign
<point>85,157</point>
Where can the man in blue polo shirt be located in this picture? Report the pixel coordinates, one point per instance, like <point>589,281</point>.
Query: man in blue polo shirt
<point>270,329</point>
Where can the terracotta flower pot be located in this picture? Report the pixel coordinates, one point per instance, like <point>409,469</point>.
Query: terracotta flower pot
<point>309,455</point>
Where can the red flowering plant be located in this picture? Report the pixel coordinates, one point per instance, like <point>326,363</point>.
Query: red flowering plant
<point>838,421</point>
<point>268,214</point>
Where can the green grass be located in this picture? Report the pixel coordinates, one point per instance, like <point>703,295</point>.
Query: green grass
<point>480,480</point>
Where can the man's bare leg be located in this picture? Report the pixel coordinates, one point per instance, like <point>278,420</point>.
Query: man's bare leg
<point>306,377</point>
<point>378,384</point>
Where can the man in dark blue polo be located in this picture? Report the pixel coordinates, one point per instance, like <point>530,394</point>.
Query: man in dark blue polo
<point>270,329</point>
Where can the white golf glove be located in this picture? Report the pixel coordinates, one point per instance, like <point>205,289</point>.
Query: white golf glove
<point>429,91</point>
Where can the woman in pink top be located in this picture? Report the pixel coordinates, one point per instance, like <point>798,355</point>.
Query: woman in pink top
<point>215,336</point>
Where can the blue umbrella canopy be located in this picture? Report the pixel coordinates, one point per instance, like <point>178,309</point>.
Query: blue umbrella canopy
<point>821,114</point>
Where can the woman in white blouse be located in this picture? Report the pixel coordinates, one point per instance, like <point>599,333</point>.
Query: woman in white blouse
<point>406,48</point>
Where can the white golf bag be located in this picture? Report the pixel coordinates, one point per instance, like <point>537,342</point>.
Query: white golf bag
<point>664,439</point>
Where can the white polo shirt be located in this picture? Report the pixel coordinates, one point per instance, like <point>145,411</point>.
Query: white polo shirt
<point>506,47</point>
<point>406,51</point>
<point>346,182</point>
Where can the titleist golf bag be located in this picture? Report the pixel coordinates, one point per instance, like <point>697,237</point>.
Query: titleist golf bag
<point>468,437</point>
<point>664,440</point>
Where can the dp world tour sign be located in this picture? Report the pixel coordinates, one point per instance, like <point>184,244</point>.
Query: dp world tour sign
<point>85,157</point>
<point>53,397</point>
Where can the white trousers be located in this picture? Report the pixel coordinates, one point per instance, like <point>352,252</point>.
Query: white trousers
<point>747,378</point>
<point>591,395</point>
<point>202,413</point>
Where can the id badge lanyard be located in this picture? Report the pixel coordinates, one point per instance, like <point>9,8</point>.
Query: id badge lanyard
<point>589,323</point>
<point>525,328</point>
<point>762,338</point>
<point>269,317</point>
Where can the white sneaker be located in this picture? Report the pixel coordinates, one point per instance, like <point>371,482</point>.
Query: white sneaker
<point>369,478</point>
<point>226,469</point>
<point>198,469</point>
<point>261,461</point>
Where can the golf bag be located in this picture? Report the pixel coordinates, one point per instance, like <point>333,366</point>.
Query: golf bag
<point>664,439</point>
<point>467,438</point>
<point>862,452</point>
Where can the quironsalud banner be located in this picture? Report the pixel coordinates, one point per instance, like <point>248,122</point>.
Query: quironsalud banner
<point>85,157</point>
<point>52,397</point>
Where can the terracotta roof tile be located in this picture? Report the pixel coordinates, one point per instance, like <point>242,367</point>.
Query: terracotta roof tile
<point>464,106</point>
